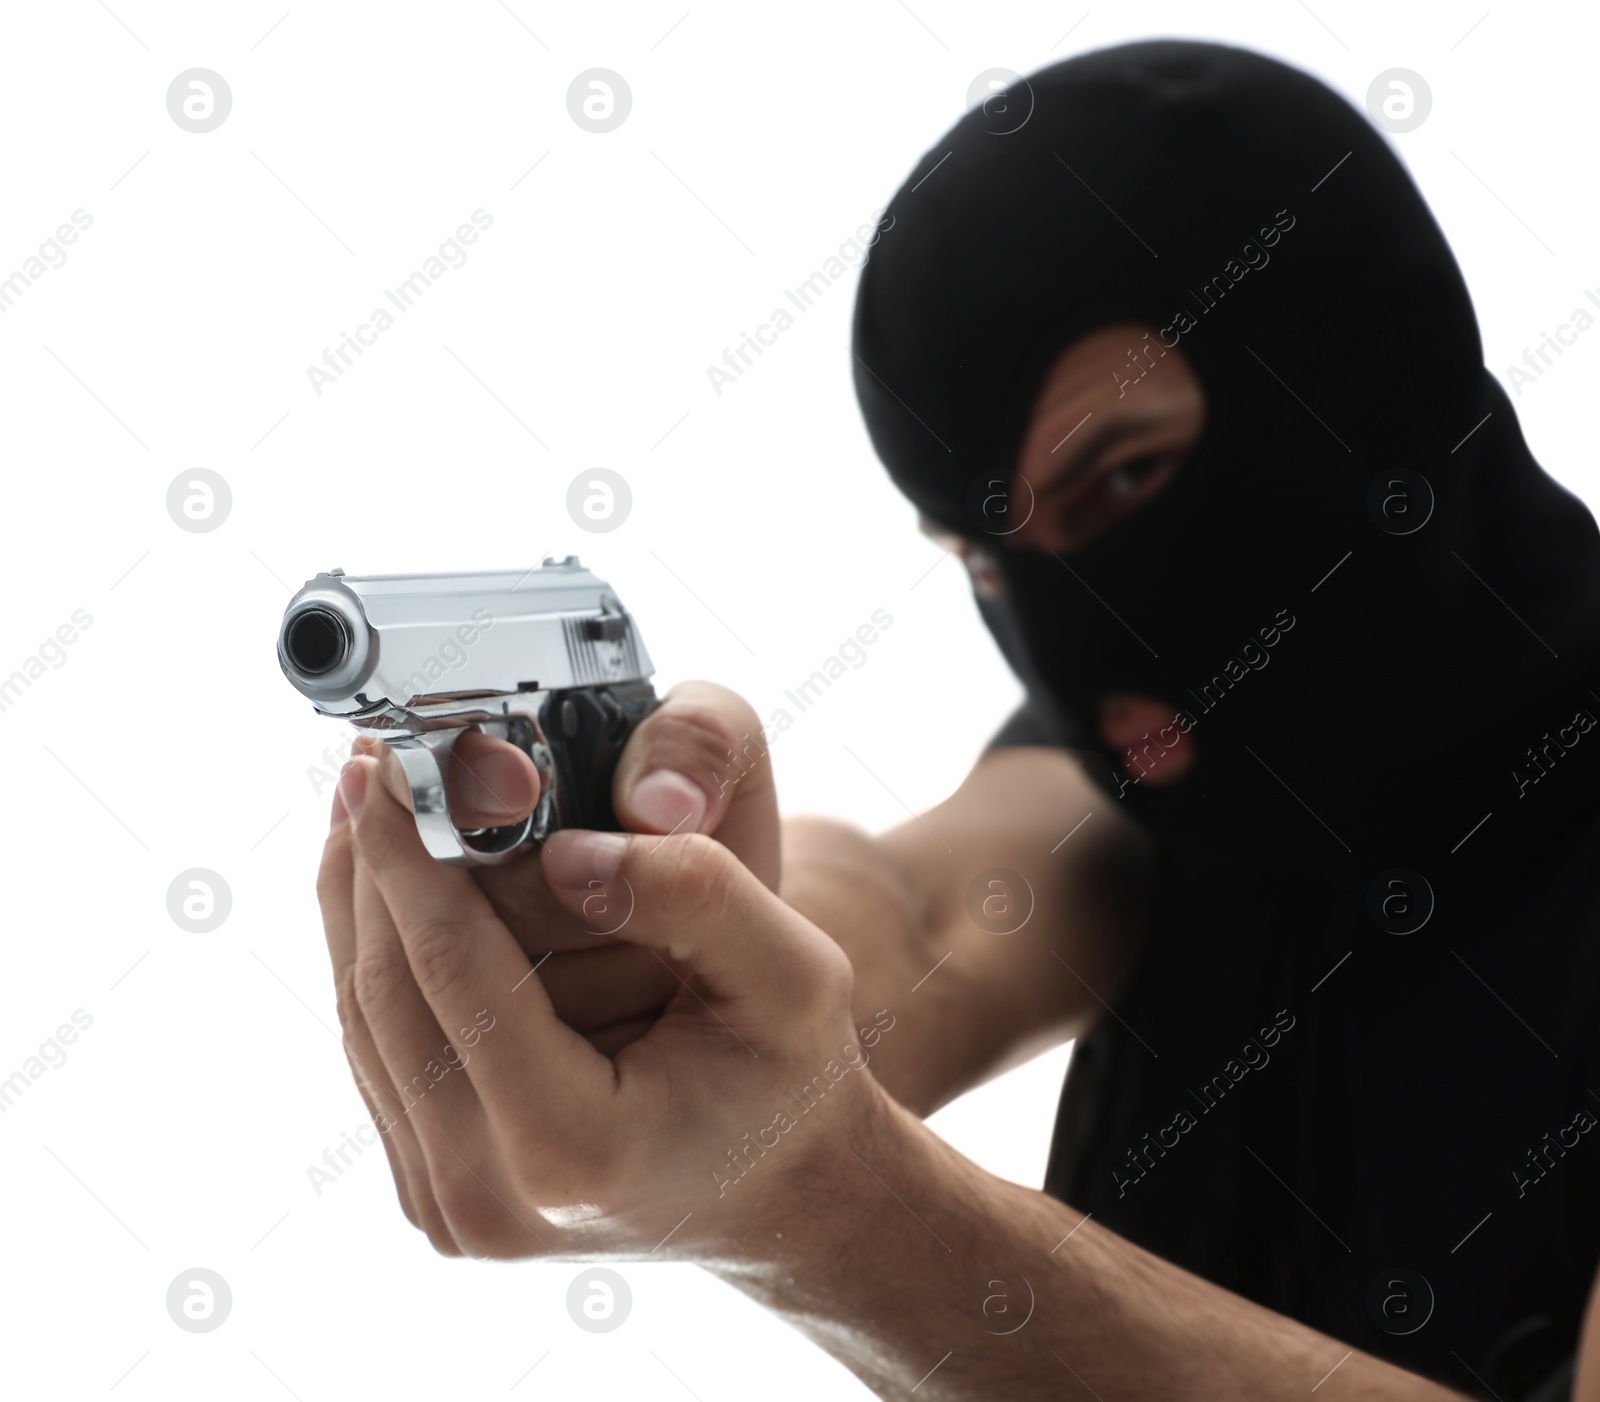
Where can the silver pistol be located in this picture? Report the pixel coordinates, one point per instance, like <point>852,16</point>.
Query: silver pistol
<point>546,658</point>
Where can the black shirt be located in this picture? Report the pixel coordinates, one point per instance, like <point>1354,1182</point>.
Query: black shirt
<point>1372,1133</point>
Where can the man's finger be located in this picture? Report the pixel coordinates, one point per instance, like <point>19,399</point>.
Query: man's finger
<point>519,896</point>
<point>336,895</point>
<point>608,1041</point>
<point>693,901</point>
<point>383,1123</point>
<point>467,965</point>
<point>429,1070</point>
<point>422,1059</point>
<point>539,921</point>
<point>491,782</point>
<point>591,989</point>
<point>698,763</point>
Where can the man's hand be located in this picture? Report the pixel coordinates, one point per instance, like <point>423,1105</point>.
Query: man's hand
<point>695,764</point>
<point>509,1133</point>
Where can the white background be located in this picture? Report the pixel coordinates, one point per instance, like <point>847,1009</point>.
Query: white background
<point>177,336</point>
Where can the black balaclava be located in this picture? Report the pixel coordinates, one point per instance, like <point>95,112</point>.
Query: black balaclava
<point>1359,697</point>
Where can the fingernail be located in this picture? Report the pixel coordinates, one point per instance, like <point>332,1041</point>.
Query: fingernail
<point>575,857</point>
<point>341,814</point>
<point>353,787</point>
<point>669,801</point>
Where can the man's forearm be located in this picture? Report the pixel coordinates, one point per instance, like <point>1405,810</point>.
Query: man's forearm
<point>915,1268</point>
<point>968,1000</point>
<point>841,879</point>
<point>951,1029</point>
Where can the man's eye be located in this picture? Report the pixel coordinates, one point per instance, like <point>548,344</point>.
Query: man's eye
<point>1126,479</point>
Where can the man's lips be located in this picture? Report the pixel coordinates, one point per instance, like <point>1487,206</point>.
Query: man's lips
<point>1150,746</point>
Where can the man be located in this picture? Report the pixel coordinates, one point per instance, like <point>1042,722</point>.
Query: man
<point>1327,1124</point>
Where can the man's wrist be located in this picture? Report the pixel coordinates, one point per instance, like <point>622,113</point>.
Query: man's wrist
<point>851,1205</point>
<point>893,1250</point>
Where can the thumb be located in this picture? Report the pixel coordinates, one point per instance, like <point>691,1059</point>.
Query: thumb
<point>692,900</point>
<point>699,763</point>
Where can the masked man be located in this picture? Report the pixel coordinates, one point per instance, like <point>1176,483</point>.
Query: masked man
<point>1167,346</point>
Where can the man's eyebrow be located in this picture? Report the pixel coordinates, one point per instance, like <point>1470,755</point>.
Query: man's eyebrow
<point>1093,448</point>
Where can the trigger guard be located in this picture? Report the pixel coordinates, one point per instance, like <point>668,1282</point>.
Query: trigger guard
<point>425,759</point>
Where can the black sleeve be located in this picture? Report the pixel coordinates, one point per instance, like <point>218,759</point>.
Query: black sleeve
<point>1558,1386</point>
<point>1033,723</point>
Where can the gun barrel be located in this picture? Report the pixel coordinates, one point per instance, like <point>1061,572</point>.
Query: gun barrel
<point>355,644</point>
<point>316,640</point>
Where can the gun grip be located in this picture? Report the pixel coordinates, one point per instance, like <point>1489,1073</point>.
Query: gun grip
<point>586,729</point>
